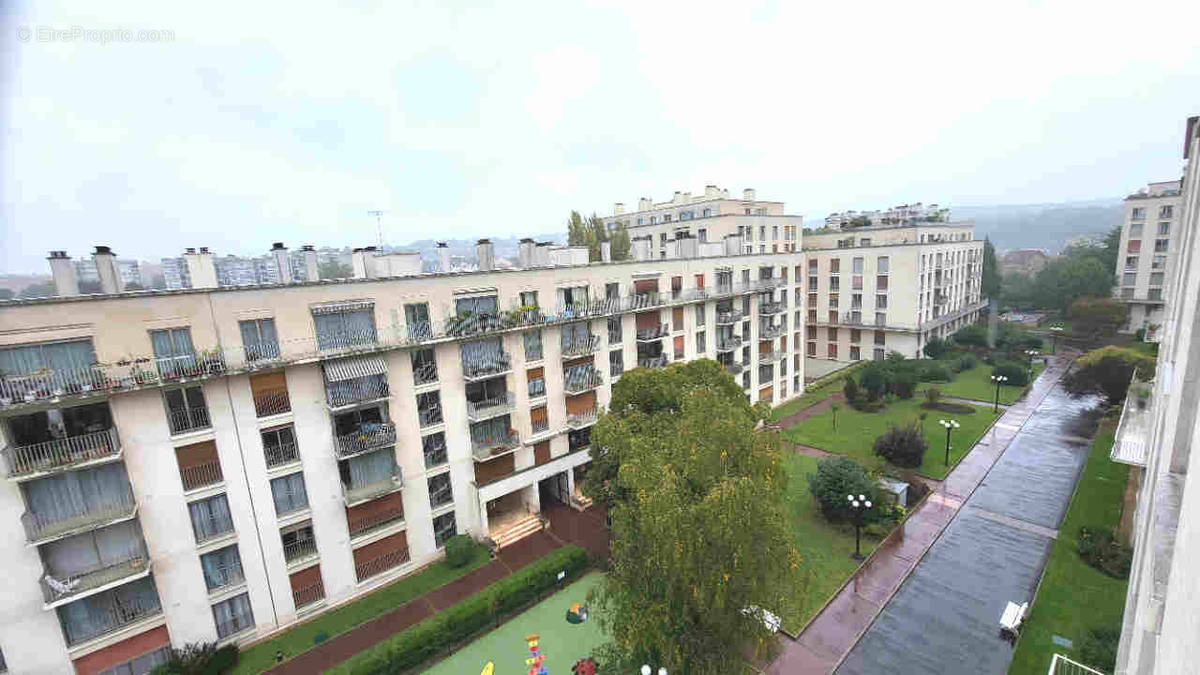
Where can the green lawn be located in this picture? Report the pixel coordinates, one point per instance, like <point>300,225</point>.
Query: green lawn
<point>1073,597</point>
<point>302,638</point>
<point>815,393</point>
<point>825,548</point>
<point>856,432</point>
<point>562,643</point>
<point>976,385</point>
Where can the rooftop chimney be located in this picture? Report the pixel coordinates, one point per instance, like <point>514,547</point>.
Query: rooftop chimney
<point>748,195</point>
<point>711,192</point>
<point>618,209</point>
<point>311,272</point>
<point>641,248</point>
<point>443,256</point>
<point>687,245</point>
<point>733,244</point>
<point>606,251</point>
<point>525,253</point>
<point>106,268</point>
<point>541,254</point>
<point>201,268</point>
<point>63,271</point>
<point>645,204</point>
<point>486,255</point>
<point>283,265</point>
<point>364,263</point>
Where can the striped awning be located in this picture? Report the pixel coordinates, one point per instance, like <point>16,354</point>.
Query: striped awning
<point>340,307</point>
<point>349,369</point>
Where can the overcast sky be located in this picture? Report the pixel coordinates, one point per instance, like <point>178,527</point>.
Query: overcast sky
<point>255,123</point>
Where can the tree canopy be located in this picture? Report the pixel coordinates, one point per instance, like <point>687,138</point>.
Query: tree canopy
<point>1097,316</point>
<point>1108,371</point>
<point>333,269</point>
<point>1083,270</point>
<point>591,232</point>
<point>990,284</point>
<point>696,497</point>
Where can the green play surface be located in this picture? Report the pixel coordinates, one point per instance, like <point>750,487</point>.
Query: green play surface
<point>562,643</point>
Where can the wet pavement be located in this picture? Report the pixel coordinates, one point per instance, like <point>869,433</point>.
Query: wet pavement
<point>929,599</point>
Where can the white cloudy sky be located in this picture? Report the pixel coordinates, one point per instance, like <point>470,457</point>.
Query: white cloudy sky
<point>261,122</point>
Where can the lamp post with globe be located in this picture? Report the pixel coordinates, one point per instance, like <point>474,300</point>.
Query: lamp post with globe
<point>859,504</point>
<point>999,380</point>
<point>950,425</point>
<point>646,670</point>
<point>1054,333</point>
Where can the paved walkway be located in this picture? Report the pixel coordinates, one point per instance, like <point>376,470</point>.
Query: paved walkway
<point>831,635</point>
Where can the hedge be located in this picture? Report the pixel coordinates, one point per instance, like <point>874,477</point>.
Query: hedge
<point>457,623</point>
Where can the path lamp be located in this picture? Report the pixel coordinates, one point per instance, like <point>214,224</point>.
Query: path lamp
<point>646,670</point>
<point>950,426</point>
<point>860,505</point>
<point>1031,353</point>
<point>999,380</point>
<point>1055,332</point>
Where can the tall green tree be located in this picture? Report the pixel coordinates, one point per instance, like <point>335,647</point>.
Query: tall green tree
<point>990,283</point>
<point>1111,249</point>
<point>620,243</point>
<point>577,230</point>
<point>696,497</point>
<point>333,269</point>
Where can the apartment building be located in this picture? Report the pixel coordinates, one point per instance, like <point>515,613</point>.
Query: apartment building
<point>86,272</point>
<point>762,225</point>
<point>874,290</point>
<point>233,270</point>
<point>218,463</point>
<point>903,214</point>
<point>1148,243</point>
<point>1162,606</point>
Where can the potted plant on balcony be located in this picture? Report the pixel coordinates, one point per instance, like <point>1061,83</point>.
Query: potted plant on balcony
<point>1142,392</point>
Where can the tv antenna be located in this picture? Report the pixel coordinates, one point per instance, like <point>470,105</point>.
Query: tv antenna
<point>378,226</point>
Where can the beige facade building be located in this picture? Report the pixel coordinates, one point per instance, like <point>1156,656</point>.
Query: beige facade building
<point>762,226</point>
<point>1149,238</point>
<point>873,290</point>
<point>219,463</point>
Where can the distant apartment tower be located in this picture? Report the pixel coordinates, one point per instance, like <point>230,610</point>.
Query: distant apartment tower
<point>233,270</point>
<point>710,217</point>
<point>130,271</point>
<point>904,214</point>
<point>1149,238</point>
<point>873,290</point>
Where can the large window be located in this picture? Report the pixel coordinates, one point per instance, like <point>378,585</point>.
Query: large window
<point>259,339</point>
<point>345,328</point>
<point>533,345</point>
<point>433,447</point>
<point>28,359</point>
<point>222,568</point>
<point>173,351</point>
<point>440,491</point>
<point>186,410</point>
<point>289,493</point>
<point>416,318</point>
<point>279,446</point>
<point>210,518</point>
<point>429,408</point>
<point>424,367</point>
<point>233,616</point>
<point>444,527</point>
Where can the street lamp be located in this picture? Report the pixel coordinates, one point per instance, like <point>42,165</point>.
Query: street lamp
<point>1031,353</point>
<point>646,670</point>
<point>860,506</point>
<point>1055,331</point>
<point>999,380</point>
<point>950,426</point>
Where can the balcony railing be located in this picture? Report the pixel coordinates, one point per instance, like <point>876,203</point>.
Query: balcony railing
<point>538,427</point>
<point>614,336</point>
<point>583,419</point>
<point>582,347</point>
<point>734,369</point>
<point>653,362</point>
<point>272,402</point>
<point>770,331</point>
<point>615,369</point>
<point>110,612</point>
<point>381,563</point>
<point>357,390</point>
<point>770,307</point>
<point>356,494</point>
<point>132,561</point>
<point>173,368</point>
<point>224,577</point>
<point>308,595</point>
<point>347,341</point>
<point>430,416</point>
<point>375,521</point>
<point>213,527</point>
<point>425,373</point>
<point>61,453</point>
<point>582,378</point>
<point>299,550</point>
<point>366,439</point>
<point>477,411</point>
<point>185,420</point>
<point>654,333</point>
<point>729,316</point>
<point>201,475</point>
<point>770,356</point>
<point>485,446</point>
<point>278,455</point>
<point>44,527</point>
<point>482,369</point>
<point>728,343</point>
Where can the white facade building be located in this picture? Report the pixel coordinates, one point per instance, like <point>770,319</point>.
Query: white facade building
<point>1149,238</point>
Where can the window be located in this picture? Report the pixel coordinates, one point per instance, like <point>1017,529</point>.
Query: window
<point>855,335</point>
<point>186,410</point>
<point>536,383</point>
<point>444,527</point>
<point>881,282</point>
<point>424,367</point>
<point>700,346</point>
<point>1158,262</point>
<point>1133,246</point>
<point>1135,230</point>
<point>1131,262</point>
<point>434,448</point>
<point>173,352</point>
<point>429,408</point>
<point>529,299</point>
<point>880,338</point>
<point>1129,279</point>
<point>137,666</point>
<point>881,302</point>
<point>831,334</point>
<point>812,349</point>
<point>482,305</point>
<point>746,379</point>
<point>881,264</point>
<point>762,232</point>
<point>1160,245</point>
<point>832,351</point>
<point>1156,278</point>
<point>662,237</point>
<point>706,213</point>
<point>614,330</point>
<point>210,518</point>
<point>440,491</point>
<point>416,319</point>
<point>298,541</point>
<point>339,329</point>
<point>233,616</point>
<point>666,218</point>
<point>1138,213</point>
<point>616,364</point>
<point>259,339</point>
<point>703,233</point>
<point>289,493</point>
<point>700,315</point>
<point>222,568</point>
<point>279,446</point>
<point>878,354</point>
<point>835,284</point>
<point>774,231</point>
<point>28,359</point>
<point>1166,211</point>
<point>533,345</point>
<point>856,265</point>
<point>854,354</point>
<point>1164,229</point>
<point>1154,294</point>
<point>834,299</point>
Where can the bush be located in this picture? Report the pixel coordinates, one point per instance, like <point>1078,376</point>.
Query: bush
<point>1100,549</point>
<point>963,363</point>
<point>935,348</point>
<point>932,371</point>
<point>1108,371</point>
<point>902,445</point>
<point>974,335</point>
<point>850,390</point>
<point>932,396</point>
<point>903,385</point>
<point>459,550</point>
<point>200,658</point>
<point>873,381</point>
<point>835,478</point>
<point>441,632</point>
<point>1017,373</point>
<point>1098,648</point>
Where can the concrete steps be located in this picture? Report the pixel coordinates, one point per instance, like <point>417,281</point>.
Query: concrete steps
<point>518,531</point>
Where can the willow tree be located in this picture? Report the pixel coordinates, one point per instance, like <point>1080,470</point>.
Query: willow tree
<point>696,496</point>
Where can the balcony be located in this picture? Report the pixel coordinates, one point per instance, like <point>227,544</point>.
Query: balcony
<point>486,446</point>
<point>653,362</point>
<point>280,455</point>
<point>369,438</point>
<point>187,420</point>
<point>343,393</point>
<point>299,550</point>
<point>110,611</point>
<point>202,364</point>
<point>538,428</point>
<point>585,418</point>
<point>483,368</point>
<point>1132,442</point>
<point>769,331</point>
<point>765,308</point>
<point>734,369</point>
<point>308,595</point>
<point>657,332</point>
<point>127,565</point>
<point>201,475</point>
<point>41,528</point>
<point>728,343</point>
<point>582,378</point>
<point>25,461</point>
<point>342,341</point>
<point>770,356</point>
<point>375,521</point>
<point>424,373</point>
<point>645,301</point>
<point>357,494</point>
<point>575,348</point>
<point>729,316</point>
<point>380,564</point>
<point>272,402</point>
<point>211,527</point>
<point>478,411</point>
<point>769,283</point>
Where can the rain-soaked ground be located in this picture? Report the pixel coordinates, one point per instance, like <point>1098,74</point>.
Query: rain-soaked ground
<point>944,618</point>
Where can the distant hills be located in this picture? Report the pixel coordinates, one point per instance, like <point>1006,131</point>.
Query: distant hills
<point>1044,226</point>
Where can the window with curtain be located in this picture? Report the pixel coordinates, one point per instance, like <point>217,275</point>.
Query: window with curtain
<point>440,491</point>
<point>368,469</point>
<point>416,318</point>
<point>576,334</point>
<point>533,345</point>
<point>30,359</point>
<point>434,448</point>
<point>79,493</point>
<point>173,351</point>
<point>259,339</point>
<point>486,306</point>
<point>140,665</point>
<point>210,517</point>
<point>105,612</point>
<point>222,567</point>
<point>337,330</point>
<point>289,493</point>
<point>186,409</point>
<point>233,615</point>
<point>89,552</point>
<point>444,527</point>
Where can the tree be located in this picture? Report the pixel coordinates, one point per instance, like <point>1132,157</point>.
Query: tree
<point>1108,371</point>
<point>334,269</point>
<point>935,348</point>
<point>835,478</point>
<point>698,519</point>
<point>621,243</point>
<point>576,230</point>
<point>1097,316</point>
<point>973,335</point>
<point>990,284</point>
<point>42,290</point>
<point>1112,249</point>
<point>902,445</point>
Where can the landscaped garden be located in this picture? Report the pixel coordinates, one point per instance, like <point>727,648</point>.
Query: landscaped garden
<point>976,384</point>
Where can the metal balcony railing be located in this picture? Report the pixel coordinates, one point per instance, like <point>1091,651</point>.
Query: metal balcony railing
<point>485,446</point>
<point>40,527</point>
<point>770,356</point>
<point>298,550</point>
<point>110,612</point>
<point>581,378</point>
<point>356,494</point>
<point>655,333</point>
<point>769,331</point>
<point>375,521</point>
<point>201,475</point>
<point>653,362</point>
<point>381,563</point>
<point>477,411</point>
<point>357,390</point>
<point>224,577</point>
<point>537,387</point>
<point>133,560</point>
<point>729,316</point>
<point>272,402</point>
<point>614,336</point>
<point>262,352</point>
<point>172,368</point>
<point>425,373</point>
<point>303,597</point>
<point>346,341</point>
<point>728,343</point>
<point>615,369</point>
<point>430,416</point>
<point>278,455</point>
<point>185,420</point>
<point>583,418</point>
<point>484,368</point>
<point>582,347</point>
<point>61,453</point>
<point>538,427</point>
<point>367,439</point>
<point>734,368</point>
<point>770,307</point>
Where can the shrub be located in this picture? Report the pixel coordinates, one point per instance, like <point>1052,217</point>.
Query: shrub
<point>903,385</point>
<point>199,658</point>
<point>835,478</point>
<point>440,632</point>
<point>850,390</point>
<point>1108,371</point>
<point>1017,373</point>
<point>932,396</point>
<point>974,335</point>
<point>873,381</point>
<point>935,348</point>
<point>459,550</point>
<point>963,363</point>
<point>932,371</point>
<point>1100,549</point>
<point>1098,648</point>
<point>902,445</point>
